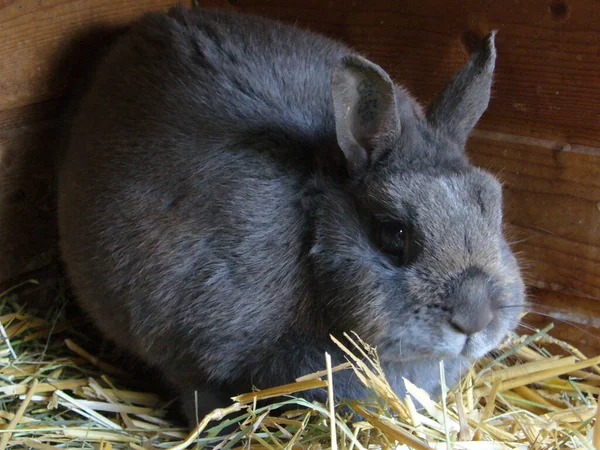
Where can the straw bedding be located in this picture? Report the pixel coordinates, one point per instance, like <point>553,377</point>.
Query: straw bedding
<point>534,392</point>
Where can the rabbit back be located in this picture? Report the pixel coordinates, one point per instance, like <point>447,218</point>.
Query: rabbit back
<point>187,166</point>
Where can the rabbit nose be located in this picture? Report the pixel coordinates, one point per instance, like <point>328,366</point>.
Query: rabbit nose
<point>474,304</point>
<point>472,322</point>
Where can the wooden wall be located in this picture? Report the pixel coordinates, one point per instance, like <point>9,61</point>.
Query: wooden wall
<point>541,133</point>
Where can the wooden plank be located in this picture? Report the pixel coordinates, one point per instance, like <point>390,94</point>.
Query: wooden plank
<point>548,306</point>
<point>40,42</point>
<point>575,320</point>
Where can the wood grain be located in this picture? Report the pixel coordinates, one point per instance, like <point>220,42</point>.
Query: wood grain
<point>574,321</point>
<point>541,133</point>
<point>37,37</point>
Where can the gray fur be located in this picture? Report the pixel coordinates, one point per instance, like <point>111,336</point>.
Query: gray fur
<point>212,222</point>
<point>365,109</point>
<point>468,92</point>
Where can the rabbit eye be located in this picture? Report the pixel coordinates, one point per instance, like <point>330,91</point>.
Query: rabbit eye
<point>393,239</point>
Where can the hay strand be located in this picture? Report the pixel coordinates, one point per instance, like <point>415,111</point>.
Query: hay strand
<point>330,399</point>
<point>537,392</point>
<point>18,415</point>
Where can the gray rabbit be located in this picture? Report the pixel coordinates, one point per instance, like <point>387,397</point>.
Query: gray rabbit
<point>235,190</point>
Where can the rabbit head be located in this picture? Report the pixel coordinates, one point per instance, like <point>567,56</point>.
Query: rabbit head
<point>410,253</point>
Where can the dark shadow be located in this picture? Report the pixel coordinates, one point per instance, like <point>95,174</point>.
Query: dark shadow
<point>34,135</point>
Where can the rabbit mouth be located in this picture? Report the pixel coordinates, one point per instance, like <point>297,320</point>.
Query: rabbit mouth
<point>471,348</point>
<point>447,343</point>
<point>479,344</point>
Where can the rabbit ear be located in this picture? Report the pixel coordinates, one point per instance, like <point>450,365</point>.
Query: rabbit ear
<point>457,108</point>
<point>365,109</point>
